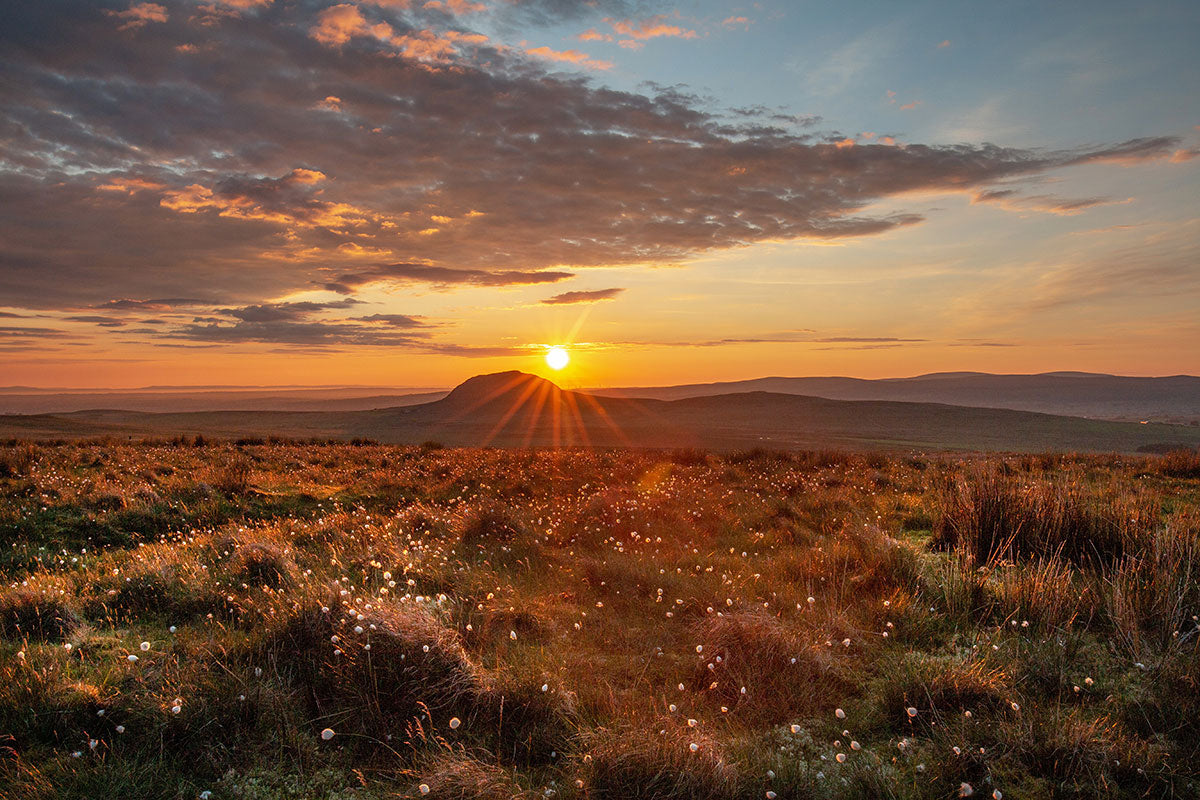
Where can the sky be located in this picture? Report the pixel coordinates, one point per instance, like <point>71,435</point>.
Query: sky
<point>408,193</point>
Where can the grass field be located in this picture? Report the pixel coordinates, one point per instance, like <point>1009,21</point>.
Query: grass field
<point>286,620</point>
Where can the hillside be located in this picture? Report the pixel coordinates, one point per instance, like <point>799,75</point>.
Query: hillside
<point>1173,399</point>
<point>517,409</point>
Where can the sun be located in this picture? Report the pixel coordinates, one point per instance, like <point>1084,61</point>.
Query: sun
<point>557,358</point>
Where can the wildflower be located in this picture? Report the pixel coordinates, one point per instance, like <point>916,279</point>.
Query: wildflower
<point>424,788</point>
<point>131,658</point>
<point>454,723</point>
<point>327,734</point>
<point>840,714</point>
<point>965,789</point>
<point>855,746</point>
<point>175,709</point>
<point>120,729</point>
<point>694,747</point>
<point>912,712</point>
<point>512,635</point>
<point>692,723</point>
<point>145,646</point>
<point>795,728</point>
<point>841,758</point>
<point>997,794</point>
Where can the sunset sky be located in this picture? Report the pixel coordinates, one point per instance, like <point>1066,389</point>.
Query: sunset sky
<point>408,193</point>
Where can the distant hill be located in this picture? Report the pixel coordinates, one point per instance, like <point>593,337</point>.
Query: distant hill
<point>19,400</point>
<point>1080,394</point>
<point>517,409</point>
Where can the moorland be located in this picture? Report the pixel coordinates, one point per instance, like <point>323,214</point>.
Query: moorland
<point>278,619</point>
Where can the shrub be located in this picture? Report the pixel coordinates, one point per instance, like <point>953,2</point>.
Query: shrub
<point>33,614</point>
<point>262,564</point>
<point>1180,464</point>
<point>656,762</point>
<point>993,516</point>
<point>489,526</point>
<point>414,664</point>
<point>459,776</point>
<point>784,676</point>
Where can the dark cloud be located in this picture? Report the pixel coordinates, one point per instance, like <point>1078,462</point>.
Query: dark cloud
<point>440,276</point>
<point>567,298</point>
<point>395,320</point>
<point>865,339</point>
<point>284,312</point>
<point>191,157</point>
<point>106,322</point>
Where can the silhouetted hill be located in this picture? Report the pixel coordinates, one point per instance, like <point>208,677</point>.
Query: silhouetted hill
<point>1167,399</point>
<point>517,409</point>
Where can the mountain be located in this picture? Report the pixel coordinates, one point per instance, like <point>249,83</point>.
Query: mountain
<point>517,409</point>
<point>1081,394</point>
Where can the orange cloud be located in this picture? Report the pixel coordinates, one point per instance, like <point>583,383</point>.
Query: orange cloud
<point>456,6</point>
<point>910,106</point>
<point>1180,156</point>
<point>139,15</point>
<point>651,28</point>
<point>128,185</point>
<point>734,22</point>
<point>569,56</point>
<point>339,24</point>
<point>593,35</point>
<point>944,44</point>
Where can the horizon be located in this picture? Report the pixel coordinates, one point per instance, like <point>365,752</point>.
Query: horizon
<point>557,379</point>
<point>670,193</point>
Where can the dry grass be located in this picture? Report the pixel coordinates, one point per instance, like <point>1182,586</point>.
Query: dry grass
<point>535,623</point>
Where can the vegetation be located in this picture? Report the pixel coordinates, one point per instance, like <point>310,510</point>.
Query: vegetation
<point>275,620</point>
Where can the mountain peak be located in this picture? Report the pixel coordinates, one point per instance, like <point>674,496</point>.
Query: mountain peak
<point>489,387</point>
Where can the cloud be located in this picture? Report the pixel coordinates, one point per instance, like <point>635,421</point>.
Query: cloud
<point>737,22</point>
<point>569,56</point>
<point>1013,200</point>
<point>224,172</point>
<point>440,276</point>
<point>139,15</point>
<point>282,312</point>
<point>568,298</point>
<point>650,28</point>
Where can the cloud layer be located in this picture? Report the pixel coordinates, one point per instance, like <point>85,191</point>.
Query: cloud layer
<point>238,152</point>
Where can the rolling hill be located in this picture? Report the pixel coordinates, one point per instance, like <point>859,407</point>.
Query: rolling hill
<point>518,409</point>
<point>1079,394</point>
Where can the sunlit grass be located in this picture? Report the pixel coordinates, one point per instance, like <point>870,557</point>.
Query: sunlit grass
<point>295,620</point>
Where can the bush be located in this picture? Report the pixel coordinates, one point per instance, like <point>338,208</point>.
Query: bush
<point>40,616</point>
<point>460,776</point>
<point>784,676</point>
<point>995,517</point>
<point>632,762</point>
<point>413,664</point>
<point>262,564</point>
<point>490,526</point>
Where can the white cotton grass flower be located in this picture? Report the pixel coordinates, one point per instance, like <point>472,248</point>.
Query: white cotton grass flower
<point>145,646</point>
<point>423,788</point>
<point>965,789</point>
<point>841,758</point>
<point>327,734</point>
<point>454,723</point>
<point>796,728</point>
<point>912,712</point>
<point>997,794</point>
<point>694,747</point>
<point>131,658</point>
<point>771,795</point>
<point>840,714</point>
<point>120,729</point>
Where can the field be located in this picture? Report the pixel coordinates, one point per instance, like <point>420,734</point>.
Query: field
<point>296,620</point>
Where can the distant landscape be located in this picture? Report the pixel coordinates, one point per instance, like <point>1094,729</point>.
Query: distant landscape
<point>518,409</point>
